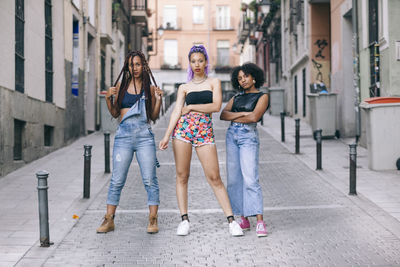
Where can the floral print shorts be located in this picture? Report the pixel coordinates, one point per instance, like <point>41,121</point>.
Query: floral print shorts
<point>195,128</point>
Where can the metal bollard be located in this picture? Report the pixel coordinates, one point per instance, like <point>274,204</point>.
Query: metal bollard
<point>283,126</point>
<point>43,208</point>
<point>297,135</point>
<point>106,152</point>
<point>353,169</point>
<point>318,135</point>
<point>86,171</point>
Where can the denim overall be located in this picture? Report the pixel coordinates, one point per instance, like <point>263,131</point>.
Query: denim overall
<point>134,135</point>
<point>242,155</point>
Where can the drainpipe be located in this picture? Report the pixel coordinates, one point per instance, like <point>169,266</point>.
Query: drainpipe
<point>209,30</point>
<point>356,70</point>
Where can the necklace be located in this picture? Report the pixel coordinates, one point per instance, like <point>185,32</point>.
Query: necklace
<point>199,81</point>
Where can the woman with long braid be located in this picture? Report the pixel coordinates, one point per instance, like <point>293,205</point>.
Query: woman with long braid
<point>135,101</point>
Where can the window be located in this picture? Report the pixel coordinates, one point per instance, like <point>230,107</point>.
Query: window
<point>374,89</point>
<point>373,21</point>
<point>19,46</point>
<point>19,127</point>
<point>170,53</point>
<point>223,18</point>
<point>304,91</point>
<point>48,135</point>
<point>112,71</point>
<point>169,21</point>
<point>75,58</point>
<point>103,70</point>
<point>49,50</point>
<point>198,14</point>
<point>222,53</point>
<point>295,95</point>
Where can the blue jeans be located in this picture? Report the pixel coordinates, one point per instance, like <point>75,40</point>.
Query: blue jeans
<point>134,135</point>
<point>242,153</point>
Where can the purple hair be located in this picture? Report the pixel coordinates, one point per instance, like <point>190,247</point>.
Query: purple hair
<point>197,49</point>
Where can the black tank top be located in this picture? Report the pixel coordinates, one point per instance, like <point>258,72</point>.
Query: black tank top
<point>199,97</point>
<point>245,102</point>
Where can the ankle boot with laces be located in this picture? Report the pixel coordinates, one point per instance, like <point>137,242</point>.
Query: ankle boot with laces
<point>152,228</point>
<point>107,225</point>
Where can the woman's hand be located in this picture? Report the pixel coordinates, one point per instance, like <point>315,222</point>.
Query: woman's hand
<point>111,92</point>
<point>186,109</point>
<point>163,143</point>
<point>158,93</point>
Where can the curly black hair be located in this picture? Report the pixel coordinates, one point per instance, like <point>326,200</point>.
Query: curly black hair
<point>248,68</point>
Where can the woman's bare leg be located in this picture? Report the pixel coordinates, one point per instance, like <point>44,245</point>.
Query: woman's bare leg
<point>111,209</point>
<point>183,155</point>
<point>209,161</point>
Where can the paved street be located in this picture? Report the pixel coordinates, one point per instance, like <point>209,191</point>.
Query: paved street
<point>311,222</point>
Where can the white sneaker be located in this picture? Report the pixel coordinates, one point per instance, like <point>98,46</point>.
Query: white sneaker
<point>235,229</point>
<point>183,228</point>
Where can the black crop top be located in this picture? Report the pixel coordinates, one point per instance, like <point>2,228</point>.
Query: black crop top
<point>199,97</point>
<point>129,100</point>
<point>245,102</point>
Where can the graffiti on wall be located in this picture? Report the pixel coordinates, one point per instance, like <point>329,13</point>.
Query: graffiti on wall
<point>321,44</point>
<point>320,60</point>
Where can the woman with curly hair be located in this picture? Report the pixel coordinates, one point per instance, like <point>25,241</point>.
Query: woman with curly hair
<point>136,103</point>
<point>242,145</point>
<point>191,126</point>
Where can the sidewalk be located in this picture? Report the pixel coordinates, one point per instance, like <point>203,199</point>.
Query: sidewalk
<point>310,217</point>
<point>382,188</point>
<point>19,231</point>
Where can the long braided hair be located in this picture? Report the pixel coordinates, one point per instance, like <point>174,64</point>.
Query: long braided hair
<point>127,78</point>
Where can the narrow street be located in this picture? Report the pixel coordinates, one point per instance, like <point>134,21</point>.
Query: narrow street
<point>310,223</point>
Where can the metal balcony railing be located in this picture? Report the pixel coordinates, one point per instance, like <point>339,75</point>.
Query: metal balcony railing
<point>171,24</point>
<point>171,63</point>
<point>222,64</point>
<point>223,23</point>
<point>244,28</point>
<point>139,5</point>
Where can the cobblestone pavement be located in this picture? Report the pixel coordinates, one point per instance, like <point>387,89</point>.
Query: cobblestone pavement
<point>310,222</point>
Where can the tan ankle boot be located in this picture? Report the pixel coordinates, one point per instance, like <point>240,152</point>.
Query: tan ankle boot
<point>152,228</point>
<point>107,225</point>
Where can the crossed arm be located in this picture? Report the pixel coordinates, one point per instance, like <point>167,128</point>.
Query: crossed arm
<point>215,106</point>
<point>245,117</point>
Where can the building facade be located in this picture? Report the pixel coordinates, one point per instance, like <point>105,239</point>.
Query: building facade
<point>61,54</point>
<point>177,25</point>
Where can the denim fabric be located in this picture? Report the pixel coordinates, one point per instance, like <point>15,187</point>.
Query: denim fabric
<point>242,149</point>
<point>134,135</point>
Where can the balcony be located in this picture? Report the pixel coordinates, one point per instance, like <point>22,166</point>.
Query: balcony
<point>171,63</point>
<point>171,24</point>
<point>244,29</point>
<point>223,23</point>
<point>222,64</point>
<point>139,11</point>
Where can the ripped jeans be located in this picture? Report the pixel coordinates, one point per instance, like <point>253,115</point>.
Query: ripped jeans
<point>134,135</point>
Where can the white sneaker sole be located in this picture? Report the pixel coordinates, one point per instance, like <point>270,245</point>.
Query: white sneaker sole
<point>180,234</point>
<point>262,235</point>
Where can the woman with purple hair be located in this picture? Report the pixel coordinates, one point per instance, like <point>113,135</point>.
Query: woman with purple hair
<point>191,126</point>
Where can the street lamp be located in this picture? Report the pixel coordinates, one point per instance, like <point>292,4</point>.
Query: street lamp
<point>265,6</point>
<point>160,30</point>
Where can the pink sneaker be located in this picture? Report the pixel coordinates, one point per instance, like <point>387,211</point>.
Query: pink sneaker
<point>260,229</point>
<point>244,223</point>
